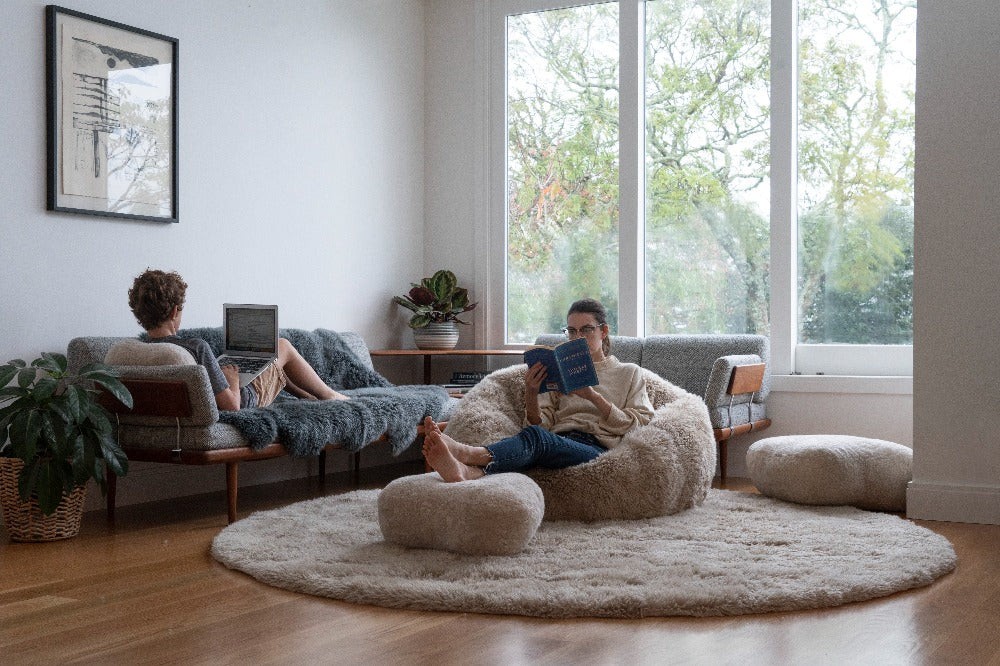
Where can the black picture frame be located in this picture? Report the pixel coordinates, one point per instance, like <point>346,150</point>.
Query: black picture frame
<point>111,118</point>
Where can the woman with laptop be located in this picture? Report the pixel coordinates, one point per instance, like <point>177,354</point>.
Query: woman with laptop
<point>157,301</point>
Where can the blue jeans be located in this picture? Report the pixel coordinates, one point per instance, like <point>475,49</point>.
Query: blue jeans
<point>537,447</point>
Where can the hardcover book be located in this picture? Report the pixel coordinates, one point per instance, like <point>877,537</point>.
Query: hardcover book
<point>568,366</point>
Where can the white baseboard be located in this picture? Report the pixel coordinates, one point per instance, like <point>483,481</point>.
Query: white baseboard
<point>957,503</point>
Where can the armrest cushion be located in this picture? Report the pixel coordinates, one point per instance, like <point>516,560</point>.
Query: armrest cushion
<point>718,381</point>
<point>136,352</point>
<point>203,411</point>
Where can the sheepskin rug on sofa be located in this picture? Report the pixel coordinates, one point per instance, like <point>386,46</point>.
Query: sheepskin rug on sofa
<point>659,469</point>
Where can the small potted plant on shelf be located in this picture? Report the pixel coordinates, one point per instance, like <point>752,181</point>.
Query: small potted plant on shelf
<point>436,304</point>
<point>54,437</point>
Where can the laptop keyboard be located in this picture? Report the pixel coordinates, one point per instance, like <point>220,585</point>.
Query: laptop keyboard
<point>245,364</point>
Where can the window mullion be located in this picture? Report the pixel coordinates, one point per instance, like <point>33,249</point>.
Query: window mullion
<point>631,177</point>
<point>784,226</point>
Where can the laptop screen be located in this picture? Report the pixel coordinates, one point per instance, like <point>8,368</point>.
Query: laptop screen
<point>251,329</point>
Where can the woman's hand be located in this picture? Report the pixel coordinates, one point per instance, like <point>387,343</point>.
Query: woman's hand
<point>532,385</point>
<point>588,393</point>
<point>534,378</point>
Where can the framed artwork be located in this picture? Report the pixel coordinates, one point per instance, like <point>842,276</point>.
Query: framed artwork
<point>111,118</point>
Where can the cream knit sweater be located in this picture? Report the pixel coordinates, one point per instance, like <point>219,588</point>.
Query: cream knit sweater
<point>622,384</point>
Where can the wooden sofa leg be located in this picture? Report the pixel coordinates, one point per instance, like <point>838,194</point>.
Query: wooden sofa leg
<point>232,483</point>
<point>322,468</point>
<point>357,467</point>
<point>723,450</point>
<point>112,487</point>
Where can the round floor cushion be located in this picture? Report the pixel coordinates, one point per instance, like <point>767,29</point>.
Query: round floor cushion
<point>495,515</point>
<point>832,469</point>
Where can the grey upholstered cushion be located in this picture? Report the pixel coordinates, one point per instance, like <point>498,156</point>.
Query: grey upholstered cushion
<point>204,411</point>
<point>90,349</point>
<point>495,515</point>
<point>687,360</point>
<point>832,469</point>
<point>200,431</point>
<point>726,410</point>
<point>356,344</point>
<point>131,351</point>
<point>195,438</point>
<point>94,348</point>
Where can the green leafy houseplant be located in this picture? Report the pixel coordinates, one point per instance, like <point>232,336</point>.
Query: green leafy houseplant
<point>436,299</point>
<point>52,422</point>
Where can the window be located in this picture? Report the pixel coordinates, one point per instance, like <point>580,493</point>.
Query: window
<point>707,140</point>
<point>710,166</point>
<point>562,171</point>
<point>855,171</point>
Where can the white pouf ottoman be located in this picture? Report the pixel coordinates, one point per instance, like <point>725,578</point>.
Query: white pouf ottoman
<point>495,515</point>
<point>832,469</point>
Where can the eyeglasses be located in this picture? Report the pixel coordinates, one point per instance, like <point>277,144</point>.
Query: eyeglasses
<point>573,332</point>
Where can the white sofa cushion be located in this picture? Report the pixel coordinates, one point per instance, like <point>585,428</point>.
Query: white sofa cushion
<point>832,469</point>
<point>136,352</point>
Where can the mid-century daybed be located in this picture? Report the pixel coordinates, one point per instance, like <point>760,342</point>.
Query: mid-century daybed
<point>175,420</point>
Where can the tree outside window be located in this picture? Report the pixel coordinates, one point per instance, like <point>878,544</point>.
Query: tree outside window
<point>707,141</point>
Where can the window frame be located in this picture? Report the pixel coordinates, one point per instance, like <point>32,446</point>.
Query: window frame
<point>788,356</point>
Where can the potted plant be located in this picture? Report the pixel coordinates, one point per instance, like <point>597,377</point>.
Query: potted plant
<point>54,437</point>
<point>436,304</point>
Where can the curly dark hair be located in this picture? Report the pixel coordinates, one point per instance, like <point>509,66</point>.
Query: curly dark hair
<point>153,296</point>
<point>592,306</point>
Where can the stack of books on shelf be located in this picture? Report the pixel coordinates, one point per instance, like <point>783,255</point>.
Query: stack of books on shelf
<point>461,382</point>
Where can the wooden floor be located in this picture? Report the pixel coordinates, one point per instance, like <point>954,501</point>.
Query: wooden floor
<point>147,592</point>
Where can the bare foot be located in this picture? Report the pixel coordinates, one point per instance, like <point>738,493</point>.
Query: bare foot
<point>330,394</point>
<point>441,460</point>
<point>476,456</point>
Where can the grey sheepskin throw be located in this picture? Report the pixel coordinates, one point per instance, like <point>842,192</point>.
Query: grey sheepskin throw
<point>659,469</point>
<point>734,553</point>
<point>306,426</point>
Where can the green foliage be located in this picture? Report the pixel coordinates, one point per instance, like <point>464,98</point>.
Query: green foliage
<point>51,420</point>
<point>707,233</point>
<point>436,299</point>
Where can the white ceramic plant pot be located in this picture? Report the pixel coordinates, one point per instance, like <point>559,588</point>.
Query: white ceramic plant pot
<point>436,336</point>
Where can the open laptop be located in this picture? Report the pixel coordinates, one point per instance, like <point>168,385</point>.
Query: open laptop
<point>249,338</point>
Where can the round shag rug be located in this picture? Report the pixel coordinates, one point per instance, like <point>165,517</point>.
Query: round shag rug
<point>736,553</point>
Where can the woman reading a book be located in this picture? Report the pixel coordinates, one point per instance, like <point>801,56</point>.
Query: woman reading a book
<point>563,430</point>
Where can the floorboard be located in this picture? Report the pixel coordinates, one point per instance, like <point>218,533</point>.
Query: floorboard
<point>147,591</point>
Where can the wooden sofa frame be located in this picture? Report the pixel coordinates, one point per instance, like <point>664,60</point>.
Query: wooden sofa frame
<point>171,399</point>
<point>746,379</point>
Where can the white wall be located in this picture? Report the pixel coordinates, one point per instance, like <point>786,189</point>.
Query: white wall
<point>301,140</point>
<point>454,91</point>
<point>957,273</point>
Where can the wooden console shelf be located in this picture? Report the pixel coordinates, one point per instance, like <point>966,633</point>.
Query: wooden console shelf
<point>428,354</point>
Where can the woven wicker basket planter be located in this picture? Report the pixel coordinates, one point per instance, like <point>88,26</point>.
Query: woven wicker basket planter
<point>25,520</point>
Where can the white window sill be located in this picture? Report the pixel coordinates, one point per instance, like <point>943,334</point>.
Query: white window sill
<point>891,385</point>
